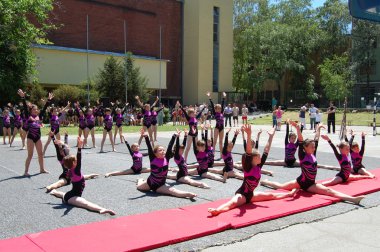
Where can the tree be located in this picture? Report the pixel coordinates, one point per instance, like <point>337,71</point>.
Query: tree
<point>336,77</point>
<point>17,33</point>
<point>135,82</point>
<point>110,81</point>
<point>364,42</point>
<point>66,93</point>
<point>36,92</point>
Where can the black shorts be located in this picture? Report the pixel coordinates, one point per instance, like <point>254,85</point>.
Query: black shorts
<point>154,123</point>
<point>227,168</point>
<point>219,127</point>
<point>34,138</point>
<point>305,184</point>
<point>119,125</point>
<point>7,126</point>
<point>201,171</point>
<point>108,129</point>
<point>356,169</point>
<point>289,162</point>
<point>153,185</point>
<point>55,130</point>
<point>90,127</point>
<point>248,196</point>
<point>343,176</point>
<point>136,170</point>
<point>70,194</point>
<point>18,127</point>
<point>64,176</point>
<point>147,125</point>
<point>235,117</point>
<point>181,174</point>
<point>82,128</point>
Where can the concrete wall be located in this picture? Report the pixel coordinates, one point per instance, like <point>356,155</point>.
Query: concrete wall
<point>198,49</point>
<point>59,66</point>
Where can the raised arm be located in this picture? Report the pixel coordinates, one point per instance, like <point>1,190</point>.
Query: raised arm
<point>247,129</point>
<point>155,102</point>
<point>235,136</point>
<point>185,113</point>
<point>138,101</point>
<point>169,151</point>
<point>363,145</point>
<point>336,153</point>
<point>184,139</point>
<point>176,153</point>
<point>200,112</point>
<point>225,145</point>
<point>128,146</point>
<point>195,146</point>
<point>270,139</point>
<point>257,139</point>
<point>287,133</point>
<point>79,156</point>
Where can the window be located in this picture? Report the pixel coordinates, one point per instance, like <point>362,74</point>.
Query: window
<point>215,65</point>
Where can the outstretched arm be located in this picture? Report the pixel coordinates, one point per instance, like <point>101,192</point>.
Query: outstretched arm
<point>169,151</point>
<point>257,139</point>
<point>270,139</point>
<point>363,144</point>
<point>139,101</point>
<point>337,155</point>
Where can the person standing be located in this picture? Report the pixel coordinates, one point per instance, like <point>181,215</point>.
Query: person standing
<point>279,113</point>
<point>228,114</point>
<point>331,118</point>
<point>244,114</point>
<point>235,115</point>
<point>312,114</point>
<point>302,116</point>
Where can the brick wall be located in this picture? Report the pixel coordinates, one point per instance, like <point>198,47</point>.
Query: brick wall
<point>106,30</point>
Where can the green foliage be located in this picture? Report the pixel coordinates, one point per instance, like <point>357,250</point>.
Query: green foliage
<point>336,77</point>
<point>110,81</point>
<point>135,82</point>
<point>365,35</point>
<point>166,112</point>
<point>36,92</point>
<point>93,94</point>
<point>66,93</point>
<point>17,33</point>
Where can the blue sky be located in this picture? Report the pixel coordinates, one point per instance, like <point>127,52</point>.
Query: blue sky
<point>317,3</point>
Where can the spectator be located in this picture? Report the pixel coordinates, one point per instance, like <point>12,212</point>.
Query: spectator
<point>274,121</point>
<point>244,114</point>
<point>302,117</point>
<point>279,113</point>
<point>228,115</point>
<point>312,113</point>
<point>331,118</point>
<point>235,115</point>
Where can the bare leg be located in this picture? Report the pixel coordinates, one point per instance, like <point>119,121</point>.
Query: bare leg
<point>23,136</point>
<point>192,182</point>
<point>213,177</point>
<point>86,133</point>
<point>46,145</point>
<point>40,156</point>
<point>141,137</point>
<point>83,203</point>
<point>111,140</point>
<point>90,176</point>
<point>265,196</point>
<point>329,167</point>
<point>189,142</point>
<point>216,163</point>
<point>119,173</point>
<point>142,185</point>
<point>93,137</point>
<point>154,128</point>
<point>236,201</point>
<point>57,194</point>
<point>175,192</point>
<point>221,135</point>
<point>286,186</point>
<point>15,131</point>
<point>80,132</point>
<point>150,132</point>
<point>4,134</point>
<point>363,171</point>
<point>121,134</point>
<point>114,136</point>
<point>234,174</point>
<point>276,163</point>
<point>321,189</point>
<point>30,147</point>
<point>266,172</point>
<point>216,171</point>
<point>334,181</point>
<point>216,134</point>
<point>103,140</point>
<point>354,177</point>
<point>9,135</point>
<point>58,184</point>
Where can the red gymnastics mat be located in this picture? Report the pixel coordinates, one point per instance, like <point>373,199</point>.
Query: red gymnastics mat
<point>165,227</point>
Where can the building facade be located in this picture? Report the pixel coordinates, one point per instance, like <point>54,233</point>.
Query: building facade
<point>195,52</point>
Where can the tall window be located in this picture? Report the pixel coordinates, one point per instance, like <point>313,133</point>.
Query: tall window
<point>215,63</point>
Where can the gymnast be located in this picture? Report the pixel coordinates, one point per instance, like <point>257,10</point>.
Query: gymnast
<point>252,163</point>
<point>309,164</point>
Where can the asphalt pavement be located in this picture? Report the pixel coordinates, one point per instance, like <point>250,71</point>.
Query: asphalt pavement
<point>26,208</point>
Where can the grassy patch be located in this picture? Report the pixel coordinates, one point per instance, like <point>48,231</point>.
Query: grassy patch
<point>357,119</point>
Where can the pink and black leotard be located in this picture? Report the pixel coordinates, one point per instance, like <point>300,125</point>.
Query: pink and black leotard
<point>77,180</point>
<point>309,165</point>
<point>193,121</point>
<point>54,123</point>
<point>6,122</point>
<point>357,158</point>
<point>202,158</point>
<point>61,153</point>
<point>137,159</point>
<point>227,155</point>
<point>159,167</point>
<point>108,123</point>
<point>290,149</point>
<point>179,160</point>
<point>210,150</point>
<point>17,121</point>
<point>219,118</point>
<point>344,162</point>
<point>90,121</point>
<point>34,123</point>
<point>252,176</point>
<point>81,119</point>
<point>153,115</point>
